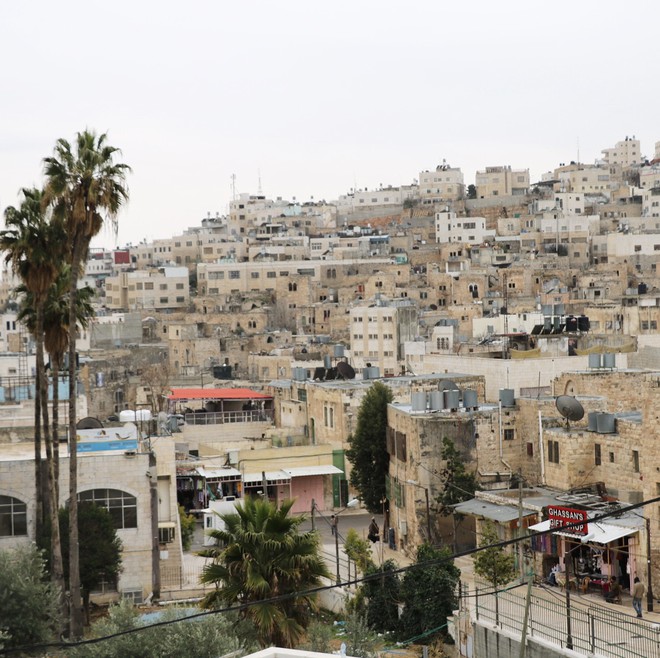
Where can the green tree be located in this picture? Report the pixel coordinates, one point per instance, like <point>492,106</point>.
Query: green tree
<point>100,547</point>
<point>458,484</point>
<point>187,523</point>
<point>319,636</point>
<point>202,638</point>
<point>29,610</point>
<point>471,191</point>
<point>31,243</point>
<point>86,188</point>
<point>494,563</point>
<point>358,550</point>
<point>261,554</point>
<point>381,592</point>
<point>368,451</point>
<point>28,243</point>
<point>428,594</point>
<point>360,638</point>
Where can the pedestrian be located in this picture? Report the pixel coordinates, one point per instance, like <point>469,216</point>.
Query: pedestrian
<point>333,524</point>
<point>637,592</point>
<point>614,593</point>
<point>374,531</point>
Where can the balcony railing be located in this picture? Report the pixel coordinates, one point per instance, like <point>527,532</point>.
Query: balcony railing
<point>220,417</point>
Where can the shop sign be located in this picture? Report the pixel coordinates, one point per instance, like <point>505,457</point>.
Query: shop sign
<point>563,516</point>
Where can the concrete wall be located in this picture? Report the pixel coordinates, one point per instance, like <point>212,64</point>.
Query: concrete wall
<point>499,644</point>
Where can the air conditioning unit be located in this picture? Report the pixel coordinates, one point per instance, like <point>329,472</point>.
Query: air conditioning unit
<point>166,533</point>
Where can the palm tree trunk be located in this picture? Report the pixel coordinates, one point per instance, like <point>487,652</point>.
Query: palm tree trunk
<point>56,423</point>
<point>75,615</point>
<point>38,480</point>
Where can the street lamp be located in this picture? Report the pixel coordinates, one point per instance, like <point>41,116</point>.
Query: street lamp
<point>428,509</point>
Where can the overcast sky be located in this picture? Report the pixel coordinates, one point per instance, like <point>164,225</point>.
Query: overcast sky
<point>318,97</point>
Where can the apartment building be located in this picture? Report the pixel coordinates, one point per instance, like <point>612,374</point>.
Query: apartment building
<point>162,288</point>
<point>626,153</point>
<point>501,181</point>
<point>445,183</point>
<point>378,333</point>
<point>467,230</point>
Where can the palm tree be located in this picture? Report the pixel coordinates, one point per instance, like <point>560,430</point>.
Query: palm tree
<point>28,243</point>
<point>86,189</point>
<point>264,563</point>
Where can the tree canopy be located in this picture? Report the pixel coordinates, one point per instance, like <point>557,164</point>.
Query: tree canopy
<point>495,564</point>
<point>368,452</point>
<point>458,484</point>
<point>261,555</point>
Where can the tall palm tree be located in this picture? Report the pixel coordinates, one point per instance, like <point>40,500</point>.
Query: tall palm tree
<point>86,189</point>
<point>263,561</point>
<point>28,245</point>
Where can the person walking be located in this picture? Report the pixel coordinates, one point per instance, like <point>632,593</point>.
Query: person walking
<point>374,531</point>
<point>637,592</point>
<point>333,524</point>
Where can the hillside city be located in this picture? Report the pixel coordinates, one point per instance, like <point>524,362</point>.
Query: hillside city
<point>516,318</point>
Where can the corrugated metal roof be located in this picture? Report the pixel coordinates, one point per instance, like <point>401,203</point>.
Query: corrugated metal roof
<point>324,469</point>
<point>210,473</point>
<point>216,394</point>
<point>498,513</point>
<point>257,478</point>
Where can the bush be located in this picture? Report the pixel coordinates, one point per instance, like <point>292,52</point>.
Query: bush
<point>29,610</point>
<point>187,522</point>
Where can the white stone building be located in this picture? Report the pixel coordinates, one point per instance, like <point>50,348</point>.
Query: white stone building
<point>466,230</point>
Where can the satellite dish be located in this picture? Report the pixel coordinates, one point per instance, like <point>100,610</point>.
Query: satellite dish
<point>569,408</point>
<point>345,370</point>
<point>89,423</point>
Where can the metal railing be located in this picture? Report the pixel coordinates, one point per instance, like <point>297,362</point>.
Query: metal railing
<point>220,417</point>
<point>184,576</point>
<point>594,629</point>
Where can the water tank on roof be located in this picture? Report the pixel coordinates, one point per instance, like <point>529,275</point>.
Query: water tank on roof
<point>609,360</point>
<point>418,401</point>
<point>365,373</point>
<point>374,372</point>
<point>583,323</point>
<point>592,420</point>
<point>642,288</point>
<point>559,309</point>
<point>452,399</point>
<point>547,323</point>
<point>339,351</point>
<point>327,361</point>
<point>470,400</point>
<point>143,415</point>
<point>595,360</point>
<point>507,397</point>
<point>435,400</point>
<point>571,323</point>
<point>606,423</point>
<point>546,309</point>
<point>556,322</point>
<point>127,416</point>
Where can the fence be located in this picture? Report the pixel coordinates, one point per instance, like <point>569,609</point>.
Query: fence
<point>185,576</point>
<point>219,417</point>
<point>594,629</point>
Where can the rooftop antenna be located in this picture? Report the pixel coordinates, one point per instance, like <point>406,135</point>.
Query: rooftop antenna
<point>233,187</point>
<point>569,408</point>
<point>578,150</point>
<point>259,188</point>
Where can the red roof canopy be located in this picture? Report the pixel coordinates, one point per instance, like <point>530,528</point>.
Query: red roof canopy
<point>216,394</point>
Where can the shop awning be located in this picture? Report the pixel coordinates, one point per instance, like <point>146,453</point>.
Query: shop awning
<point>251,479</point>
<point>491,511</point>
<point>218,473</point>
<point>302,471</point>
<point>603,533</point>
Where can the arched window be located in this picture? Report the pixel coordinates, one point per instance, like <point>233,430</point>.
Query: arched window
<point>13,517</point>
<point>121,505</point>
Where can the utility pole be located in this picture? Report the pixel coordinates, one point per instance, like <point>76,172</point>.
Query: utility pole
<point>523,634</point>
<point>521,550</point>
<point>312,515</point>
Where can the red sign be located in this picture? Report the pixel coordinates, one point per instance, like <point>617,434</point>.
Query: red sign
<point>560,517</point>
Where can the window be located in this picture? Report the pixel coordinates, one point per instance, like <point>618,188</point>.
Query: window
<point>611,457</point>
<point>530,449</point>
<point>180,300</point>
<point>553,451</point>
<point>635,460</point>
<point>149,285</point>
<point>164,300</point>
<point>13,517</point>
<point>254,275</point>
<point>234,274</point>
<point>597,456</point>
<point>179,286</point>
<point>163,286</point>
<point>271,275</point>
<point>121,505</point>
<point>508,434</point>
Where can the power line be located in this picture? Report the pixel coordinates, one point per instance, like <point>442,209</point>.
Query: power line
<point>324,588</point>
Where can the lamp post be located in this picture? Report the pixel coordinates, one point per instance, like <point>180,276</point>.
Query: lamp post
<point>649,589</point>
<point>428,509</point>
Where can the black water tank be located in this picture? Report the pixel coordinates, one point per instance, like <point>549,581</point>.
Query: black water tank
<point>583,323</point>
<point>642,288</point>
<point>571,323</point>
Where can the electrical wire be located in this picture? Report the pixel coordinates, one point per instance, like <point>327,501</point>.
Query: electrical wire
<point>324,588</point>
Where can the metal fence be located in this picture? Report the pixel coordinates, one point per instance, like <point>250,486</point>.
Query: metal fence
<point>185,576</point>
<point>220,417</point>
<point>594,629</point>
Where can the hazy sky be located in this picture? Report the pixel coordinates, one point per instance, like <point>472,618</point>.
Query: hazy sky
<point>318,97</point>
